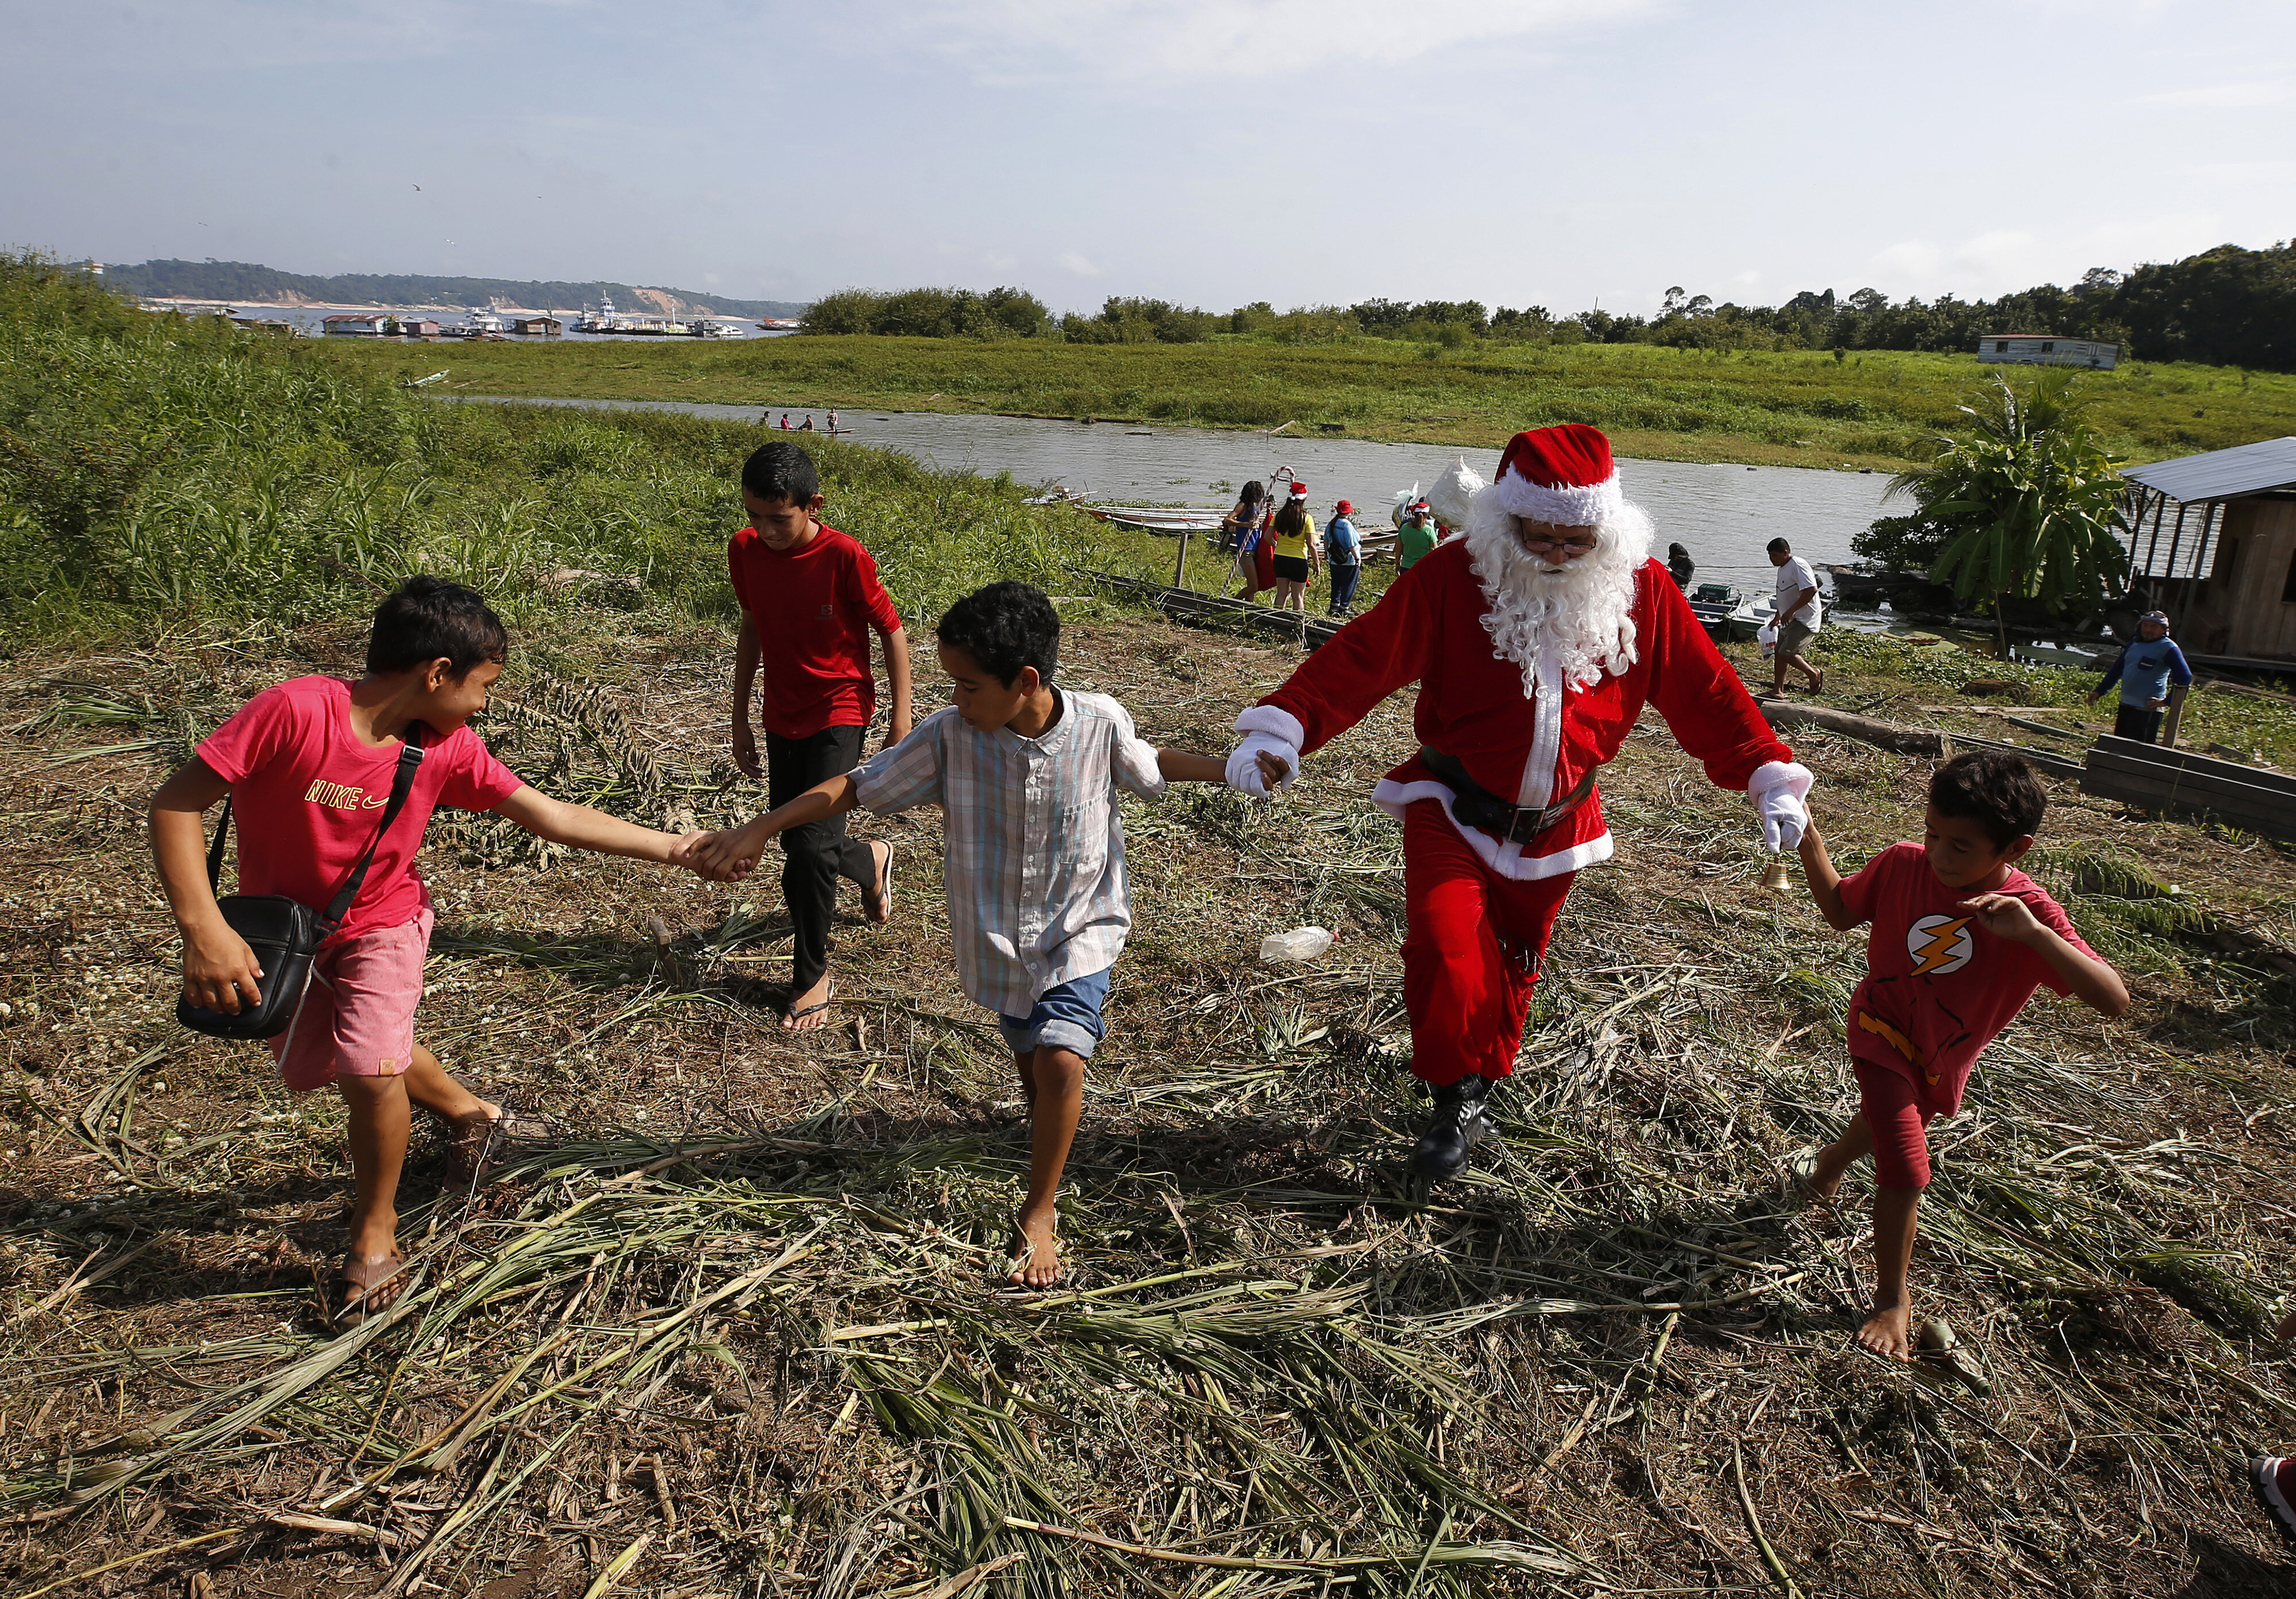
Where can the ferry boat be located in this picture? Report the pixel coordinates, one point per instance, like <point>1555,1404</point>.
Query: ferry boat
<point>601,318</point>
<point>477,322</point>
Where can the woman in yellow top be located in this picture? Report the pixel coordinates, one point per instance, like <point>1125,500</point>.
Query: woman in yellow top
<point>1298,556</point>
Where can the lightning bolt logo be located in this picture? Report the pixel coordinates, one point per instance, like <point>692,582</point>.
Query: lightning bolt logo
<point>1939,944</point>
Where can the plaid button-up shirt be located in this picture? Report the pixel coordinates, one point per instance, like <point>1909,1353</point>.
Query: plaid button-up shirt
<point>1034,861</point>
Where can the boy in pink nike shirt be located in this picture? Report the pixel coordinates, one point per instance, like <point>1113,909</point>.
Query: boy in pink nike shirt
<point>1960,940</point>
<point>309,765</point>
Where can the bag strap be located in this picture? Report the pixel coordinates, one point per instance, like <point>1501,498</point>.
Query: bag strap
<point>215,851</point>
<point>402,782</point>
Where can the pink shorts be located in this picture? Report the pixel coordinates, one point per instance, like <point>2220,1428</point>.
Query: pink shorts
<point>357,1018</point>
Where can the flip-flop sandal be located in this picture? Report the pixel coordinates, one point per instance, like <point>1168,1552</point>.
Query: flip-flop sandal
<point>882,910</point>
<point>790,1021</point>
<point>1935,1343</point>
<point>368,1287</point>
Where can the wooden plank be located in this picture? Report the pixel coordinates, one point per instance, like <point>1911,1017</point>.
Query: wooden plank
<point>2194,782</point>
<point>2192,761</point>
<point>2271,816</point>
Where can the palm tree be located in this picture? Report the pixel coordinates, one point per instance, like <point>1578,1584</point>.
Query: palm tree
<point>2029,499</point>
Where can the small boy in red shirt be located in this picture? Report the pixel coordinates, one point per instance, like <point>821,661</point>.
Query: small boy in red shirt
<point>1960,940</point>
<point>810,599</point>
<point>308,765</point>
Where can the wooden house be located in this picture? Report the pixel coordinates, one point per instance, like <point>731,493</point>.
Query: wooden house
<point>2214,543</point>
<point>418,327</point>
<point>367,324</point>
<point>2047,349</point>
<point>547,327</point>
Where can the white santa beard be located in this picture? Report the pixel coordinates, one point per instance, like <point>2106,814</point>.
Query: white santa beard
<point>1580,615</point>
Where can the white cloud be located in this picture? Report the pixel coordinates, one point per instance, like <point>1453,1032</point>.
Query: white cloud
<point>1241,38</point>
<point>2221,96</point>
<point>1075,263</point>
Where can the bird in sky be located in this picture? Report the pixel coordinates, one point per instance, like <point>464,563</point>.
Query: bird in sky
<point>418,188</point>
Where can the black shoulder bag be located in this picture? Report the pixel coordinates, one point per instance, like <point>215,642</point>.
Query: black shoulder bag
<point>285,934</point>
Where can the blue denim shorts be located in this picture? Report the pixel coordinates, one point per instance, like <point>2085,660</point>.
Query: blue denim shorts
<point>1066,1017</point>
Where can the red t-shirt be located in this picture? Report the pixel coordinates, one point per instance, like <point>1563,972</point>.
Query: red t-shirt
<point>306,794</point>
<point>1937,985</point>
<point>813,608</point>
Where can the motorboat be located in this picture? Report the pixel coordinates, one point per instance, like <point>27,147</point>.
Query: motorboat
<point>1711,603</point>
<point>601,318</point>
<point>477,322</point>
<point>1754,613</point>
<point>1161,518</point>
<point>704,327</point>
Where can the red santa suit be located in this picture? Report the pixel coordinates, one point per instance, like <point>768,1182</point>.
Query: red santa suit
<point>1530,730</point>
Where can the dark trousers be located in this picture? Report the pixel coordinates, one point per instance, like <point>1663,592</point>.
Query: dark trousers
<point>2139,722</point>
<point>1345,576</point>
<point>819,853</point>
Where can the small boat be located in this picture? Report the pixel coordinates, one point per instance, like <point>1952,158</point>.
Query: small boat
<point>704,327</point>
<point>778,324</point>
<point>1859,591</point>
<point>1752,615</point>
<point>1161,518</point>
<point>1711,603</point>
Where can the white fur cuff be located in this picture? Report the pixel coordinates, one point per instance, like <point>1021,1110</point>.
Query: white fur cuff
<point>1589,506</point>
<point>1275,720</point>
<point>1769,778</point>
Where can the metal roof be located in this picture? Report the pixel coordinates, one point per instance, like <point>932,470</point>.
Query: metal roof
<point>2223,474</point>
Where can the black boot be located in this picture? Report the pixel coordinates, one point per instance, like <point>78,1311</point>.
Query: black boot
<point>1460,1121</point>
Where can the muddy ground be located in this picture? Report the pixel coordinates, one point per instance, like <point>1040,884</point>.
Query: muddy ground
<point>1614,1359</point>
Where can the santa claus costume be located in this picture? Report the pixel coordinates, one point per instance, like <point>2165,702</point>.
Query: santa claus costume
<point>1536,640</point>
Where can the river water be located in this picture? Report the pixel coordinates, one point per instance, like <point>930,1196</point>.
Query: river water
<point>312,320</point>
<point>1726,514</point>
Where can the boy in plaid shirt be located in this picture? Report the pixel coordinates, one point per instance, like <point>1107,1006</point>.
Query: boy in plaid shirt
<point>1039,906</point>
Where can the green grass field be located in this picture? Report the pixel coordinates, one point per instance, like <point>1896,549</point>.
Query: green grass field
<point>1800,408</point>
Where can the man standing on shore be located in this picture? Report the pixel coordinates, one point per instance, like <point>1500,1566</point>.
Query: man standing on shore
<point>1536,639</point>
<point>1797,618</point>
<point>2146,670</point>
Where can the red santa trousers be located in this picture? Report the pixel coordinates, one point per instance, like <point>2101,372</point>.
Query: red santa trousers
<point>1471,953</point>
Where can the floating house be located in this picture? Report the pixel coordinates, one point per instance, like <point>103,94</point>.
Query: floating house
<point>2047,349</point>
<point>547,327</point>
<point>418,327</point>
<point>372,326</point>
<point>2214,543</point>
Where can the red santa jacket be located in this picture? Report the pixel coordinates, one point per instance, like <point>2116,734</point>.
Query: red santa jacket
<point>1428,629</point>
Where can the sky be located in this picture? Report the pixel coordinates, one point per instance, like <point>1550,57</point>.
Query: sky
<point>1567,153</point>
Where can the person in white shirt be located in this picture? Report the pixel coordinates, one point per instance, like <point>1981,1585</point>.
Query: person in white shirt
<point>1798,619</point>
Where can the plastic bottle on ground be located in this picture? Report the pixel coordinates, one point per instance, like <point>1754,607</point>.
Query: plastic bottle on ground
<point>1289,949</point>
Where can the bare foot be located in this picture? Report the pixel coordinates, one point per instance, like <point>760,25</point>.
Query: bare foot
<point>810,1009</point>
<point>1040,1262</point>
<point>1886,1333</point>
<point>877,904</point>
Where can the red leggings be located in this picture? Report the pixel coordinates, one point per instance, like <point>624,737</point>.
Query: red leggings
<point>1472,951</point>
<point>1899,1122</point>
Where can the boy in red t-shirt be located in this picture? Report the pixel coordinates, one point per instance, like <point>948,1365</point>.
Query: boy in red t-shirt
<point>1961,939</point>
<point>308,765</point>
<point>810,599</point>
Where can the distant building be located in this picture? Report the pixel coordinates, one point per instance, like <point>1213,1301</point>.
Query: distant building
<point>2213,542</point>
<point>367,325</point>
<point>418,327</point>
<point>2047,349</point>
<point>543,326</point>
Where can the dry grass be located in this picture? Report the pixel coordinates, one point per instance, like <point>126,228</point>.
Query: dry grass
<point>727,1320</point>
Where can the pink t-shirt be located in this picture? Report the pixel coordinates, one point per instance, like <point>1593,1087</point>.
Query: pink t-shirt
<point>306,796</point>
<point>1937,985</point>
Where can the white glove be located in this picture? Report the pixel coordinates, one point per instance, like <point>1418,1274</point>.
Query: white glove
<point>1243,763</point>
<point>1271,728</point>
<point>1777,790</point>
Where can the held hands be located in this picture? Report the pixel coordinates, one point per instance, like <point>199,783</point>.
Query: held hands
<point>1262,764</point>
<point>220,971</point>
<point>727,857</point>
<point>2005,916</point>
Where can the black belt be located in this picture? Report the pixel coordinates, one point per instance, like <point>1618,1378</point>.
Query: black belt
<point>1486,812</point>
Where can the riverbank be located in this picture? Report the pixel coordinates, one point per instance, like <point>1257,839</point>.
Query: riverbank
<point>1867,410</point>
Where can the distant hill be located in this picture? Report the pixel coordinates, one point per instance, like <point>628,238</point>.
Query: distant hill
<point>246,282</point>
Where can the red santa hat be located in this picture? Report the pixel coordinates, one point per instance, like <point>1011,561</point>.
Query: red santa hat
<point>1560,475</point>
<point>1299,489</point>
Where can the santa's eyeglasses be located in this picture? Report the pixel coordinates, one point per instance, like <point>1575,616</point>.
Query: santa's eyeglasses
<point>1574,546</point>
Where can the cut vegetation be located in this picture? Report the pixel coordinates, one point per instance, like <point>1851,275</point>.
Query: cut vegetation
<point>727,1318</point>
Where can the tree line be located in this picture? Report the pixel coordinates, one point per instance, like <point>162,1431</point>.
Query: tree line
<point>2226,307</point>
